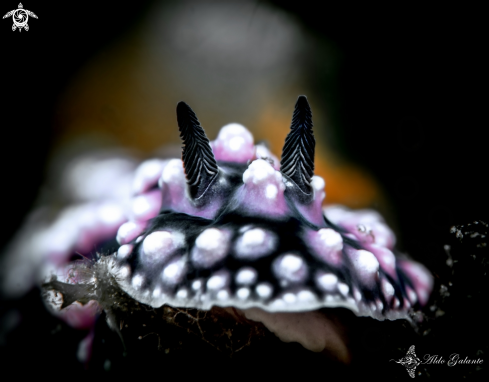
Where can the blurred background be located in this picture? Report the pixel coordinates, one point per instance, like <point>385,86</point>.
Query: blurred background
<point>397,94</point>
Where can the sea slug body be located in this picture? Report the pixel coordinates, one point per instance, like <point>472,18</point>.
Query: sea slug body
<point>231,226</point>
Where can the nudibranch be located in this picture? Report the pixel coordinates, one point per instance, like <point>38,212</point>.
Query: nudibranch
<point>229,225</point>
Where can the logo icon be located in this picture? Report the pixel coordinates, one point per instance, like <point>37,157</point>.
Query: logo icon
<point>410,361</point>
<point>20,17</point>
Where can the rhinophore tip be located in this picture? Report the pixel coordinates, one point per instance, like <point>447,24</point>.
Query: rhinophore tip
<point>297,161</point>
<point>197,156</point>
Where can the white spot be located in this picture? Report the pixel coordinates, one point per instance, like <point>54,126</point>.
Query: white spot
<point>222,295</point>
<point>124,251</point>
<point>236,143</point>
<point>243,293</point>
<point>211,246</point>
<point>128,231</point>
<point>343,288</point>
<point>246,276</point>
<point>327,281</point>
<point>197,285</point>
<point>271,191</point>
<point>380,305</point>
<point>159,246</point>
<point>357,295</point>
<point>182,294</point>
<point>290,267</point>
<point>258,171</point>
<point>289,298</point>
<point>365,264</point>
<point>264,290</point>
<point>255,243</point>
<point>306,296</point>
<point>317,183</point>
<point>218,281</point>
<point>137,281</point>
<point>396,303</point>
<point>387,289</point>
<point>331,238</point>
<point>141,205</point>
<point>124,272</point>
<point>411,295</point>
<point>174,271</point>
<point>156,292</point>
<point>328,245</point>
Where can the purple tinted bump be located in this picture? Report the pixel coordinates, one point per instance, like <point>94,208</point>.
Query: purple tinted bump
<point>174,271</point>
<point>210,247</point>
<point>255,243</point>
<point>159,246</point>
<point>365,264</point>
<point>290,268</point>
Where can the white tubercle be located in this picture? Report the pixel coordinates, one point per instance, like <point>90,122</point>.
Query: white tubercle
<point>366,265</point>
<point>327,245</point>
<point>290,268</point>
<point>159,246</point>
<point>326,281</point>
<point>218,280</point>
<point>255,243</point>
<point>210,247</point>
<point>129,231</point>
<point>174,272</point>
<point>246,276</point>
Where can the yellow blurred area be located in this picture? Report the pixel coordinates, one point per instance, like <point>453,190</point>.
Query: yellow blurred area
<point>127,95</point>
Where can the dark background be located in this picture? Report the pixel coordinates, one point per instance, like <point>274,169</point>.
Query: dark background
<point>411,101</point>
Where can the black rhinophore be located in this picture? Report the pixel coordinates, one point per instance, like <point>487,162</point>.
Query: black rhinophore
<point>297,161</point>
<point>197,156</point>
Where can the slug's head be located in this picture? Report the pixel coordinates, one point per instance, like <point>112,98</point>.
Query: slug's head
<point>234,227</point>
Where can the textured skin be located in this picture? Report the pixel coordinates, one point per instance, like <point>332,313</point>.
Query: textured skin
<point>247,237</point>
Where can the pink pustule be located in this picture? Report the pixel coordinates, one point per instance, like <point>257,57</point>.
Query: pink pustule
<point>233,144</point>
<point>386,259</point>
<point>327,245</point>
<point>263,190</point>
<point>365,264</point>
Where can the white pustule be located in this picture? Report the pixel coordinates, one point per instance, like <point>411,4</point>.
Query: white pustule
<point>159,246</point>
<point>211,246</point>
<point>366,265</point>
<point>255,243</point>
<point>326,245</point>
